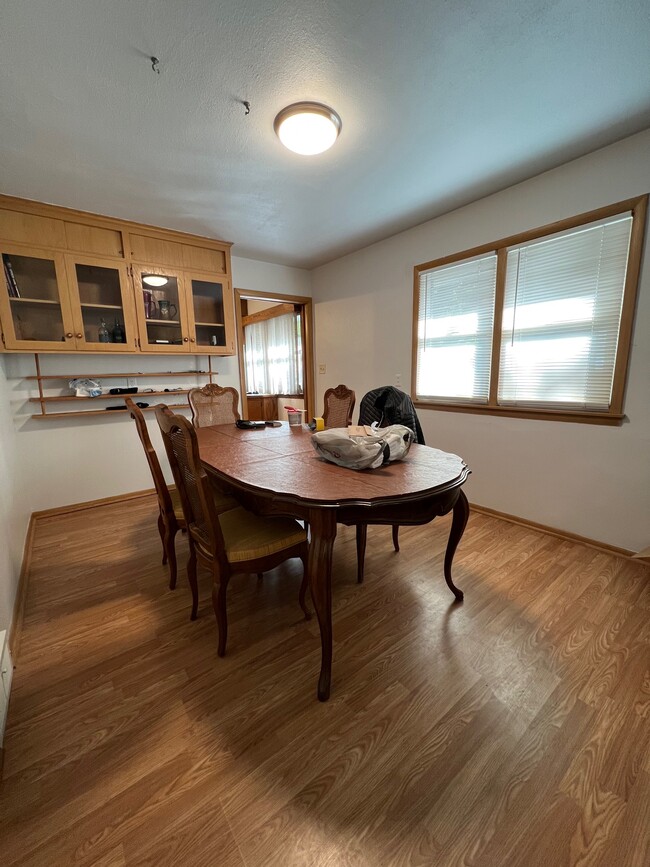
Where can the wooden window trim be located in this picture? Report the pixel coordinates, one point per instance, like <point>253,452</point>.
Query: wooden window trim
<point>615,416</point>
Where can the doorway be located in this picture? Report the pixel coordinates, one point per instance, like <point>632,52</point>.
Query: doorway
<point>276,366</point>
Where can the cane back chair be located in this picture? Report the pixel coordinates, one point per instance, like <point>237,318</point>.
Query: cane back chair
<point>338,405</point>
<point>230,542</point>
<point>213,405</point>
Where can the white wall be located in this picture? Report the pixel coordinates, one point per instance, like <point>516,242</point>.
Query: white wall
<point>14,512</point>
<point>585,479</point>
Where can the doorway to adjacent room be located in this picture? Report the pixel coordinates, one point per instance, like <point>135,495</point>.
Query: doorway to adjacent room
<point>276,364</point>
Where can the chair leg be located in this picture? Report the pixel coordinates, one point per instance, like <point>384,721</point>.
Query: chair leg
<point>170,546</point>
<point>219,588</point>
<point>191,577</point>
<point>362,532</point>
<point>302,596</point>
<point>395,537</point>
<point>161,531</point>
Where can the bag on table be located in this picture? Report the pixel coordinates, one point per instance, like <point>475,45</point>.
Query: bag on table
<point>363,452</point>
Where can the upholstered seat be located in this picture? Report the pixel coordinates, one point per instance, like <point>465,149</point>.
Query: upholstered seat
<point>222,502</point>
<point>248,537</point>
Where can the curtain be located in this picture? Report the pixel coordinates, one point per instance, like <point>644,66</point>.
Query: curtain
<point>273,355</point>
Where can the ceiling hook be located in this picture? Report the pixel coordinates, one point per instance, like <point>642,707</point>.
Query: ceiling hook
<point>247,106</point>
<point>155,64</point>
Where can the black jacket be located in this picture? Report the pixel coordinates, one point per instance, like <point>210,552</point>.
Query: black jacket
<point>388,405</point>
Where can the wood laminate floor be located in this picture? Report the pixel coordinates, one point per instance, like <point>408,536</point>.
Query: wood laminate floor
<point>513,729</point>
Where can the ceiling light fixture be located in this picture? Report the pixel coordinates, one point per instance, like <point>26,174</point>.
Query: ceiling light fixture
<point>307,128</point>
<point>155,280</point>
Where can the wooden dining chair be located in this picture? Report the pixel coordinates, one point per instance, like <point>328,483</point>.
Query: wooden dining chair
<point>338,405</point>
<point>213,404</point>
<point>170,510</point>
<point>227,543</point>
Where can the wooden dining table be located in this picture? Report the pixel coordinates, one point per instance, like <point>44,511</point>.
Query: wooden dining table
<point>276,471</point>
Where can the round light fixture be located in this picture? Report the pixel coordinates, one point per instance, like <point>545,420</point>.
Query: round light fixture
<point>307,128</point>
<point>155,280</point>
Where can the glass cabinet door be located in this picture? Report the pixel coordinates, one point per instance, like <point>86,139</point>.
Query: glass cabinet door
<point>211,314</point>
<point>34,302</point>
<point>161,309</point>
<point>102,306</point>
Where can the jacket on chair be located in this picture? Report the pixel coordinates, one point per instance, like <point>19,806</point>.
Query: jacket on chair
<point>388,405</point>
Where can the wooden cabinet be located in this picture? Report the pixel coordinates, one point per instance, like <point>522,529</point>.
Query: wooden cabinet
<point>102,304</point>
<point>210,313</point>
<point>181,311</point>
<point>35,306</point>
<point>262,407</point>
<point>95,284</point>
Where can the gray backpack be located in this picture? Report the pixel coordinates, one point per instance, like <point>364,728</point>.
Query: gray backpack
<point>364,452</point>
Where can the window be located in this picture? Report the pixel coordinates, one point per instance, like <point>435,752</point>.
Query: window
<point>536,325</point>
<point>273,355</point>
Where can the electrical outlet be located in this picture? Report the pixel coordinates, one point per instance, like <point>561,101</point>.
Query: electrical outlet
<point>322,368</point>
<point>131,382</point>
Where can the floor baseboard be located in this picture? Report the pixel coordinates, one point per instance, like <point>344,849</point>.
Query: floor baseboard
<point>554,531</point>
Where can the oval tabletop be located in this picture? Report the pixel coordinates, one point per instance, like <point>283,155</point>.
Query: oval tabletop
<point>282,461</point>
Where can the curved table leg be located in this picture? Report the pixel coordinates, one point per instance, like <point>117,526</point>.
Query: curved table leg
<point>322,524</point>
<point>458,524</point>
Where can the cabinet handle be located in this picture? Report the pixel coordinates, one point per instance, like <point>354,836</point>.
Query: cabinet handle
<point>79,336</point>
<point>69,335</point>
<point>185,340</point>
<point>192,340</point>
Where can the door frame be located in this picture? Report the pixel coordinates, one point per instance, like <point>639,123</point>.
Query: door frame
<point>306,303</point>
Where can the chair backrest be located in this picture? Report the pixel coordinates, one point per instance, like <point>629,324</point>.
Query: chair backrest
<point>164,499</point>
<point>339,403</point>
<point>192,482</point>
<point>388,405</point>
<point>213,404</point>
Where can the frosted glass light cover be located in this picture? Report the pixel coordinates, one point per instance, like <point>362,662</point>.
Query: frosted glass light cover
<point>307,128</point>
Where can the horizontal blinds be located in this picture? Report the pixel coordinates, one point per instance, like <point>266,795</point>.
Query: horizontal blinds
<point>455,320</point>
<point>561,318</point>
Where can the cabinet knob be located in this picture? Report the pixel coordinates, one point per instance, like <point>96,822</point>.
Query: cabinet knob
<point>185,340</point>
<point>69,334</point>
<point>192,340</point>
<point>79,336</point>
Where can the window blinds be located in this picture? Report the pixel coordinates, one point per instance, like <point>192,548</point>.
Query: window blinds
<point>561,317</point>
<point>455,320</point>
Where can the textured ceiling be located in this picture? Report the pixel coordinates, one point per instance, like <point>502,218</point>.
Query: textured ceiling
<point>442,102</point>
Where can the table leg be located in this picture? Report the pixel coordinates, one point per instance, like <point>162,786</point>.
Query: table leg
<point>362,533</point>
<point>458,524</point>
<point>322,525</point>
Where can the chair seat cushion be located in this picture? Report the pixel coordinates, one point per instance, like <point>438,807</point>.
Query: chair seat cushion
<point>222,501</point>
<point>248,536</point>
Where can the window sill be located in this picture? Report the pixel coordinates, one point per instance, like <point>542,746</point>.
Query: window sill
<point>575,416</point>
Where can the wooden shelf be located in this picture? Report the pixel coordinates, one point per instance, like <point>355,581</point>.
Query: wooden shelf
<point>117,412</point>
<point>163,321</point>
<point>211,324</point>
<point>35,301</point>
<point>156,394</point>
<point>103,306</point>
<point>139,395</point>
<point>117,375</point>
